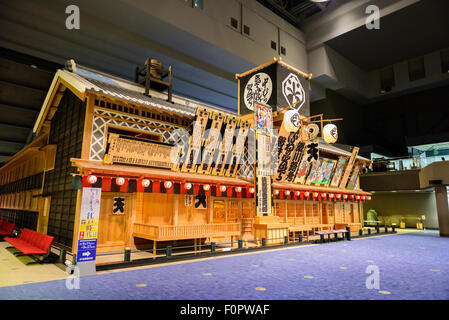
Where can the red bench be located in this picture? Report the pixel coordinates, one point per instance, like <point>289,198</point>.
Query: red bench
<point>6,228</point>
<point>31,242</point>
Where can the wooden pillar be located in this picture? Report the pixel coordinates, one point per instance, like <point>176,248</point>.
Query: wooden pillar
<point>175,209</point>
<point>441,198</point>
<point>154,249</point>
<point>226,207</point>
<point>294,217</point>
<point>305,213</point>
<point>320,212</point>
<point>211,210</point>
<point>286,210</point>
<point>240,209</point>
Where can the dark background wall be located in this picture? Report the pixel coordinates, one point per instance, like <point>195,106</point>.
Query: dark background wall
<point>22,219</point>
<point>391,122</point>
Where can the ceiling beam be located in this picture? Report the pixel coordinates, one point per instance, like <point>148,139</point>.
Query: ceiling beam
<point>301,7</point>
<point>283,11</point>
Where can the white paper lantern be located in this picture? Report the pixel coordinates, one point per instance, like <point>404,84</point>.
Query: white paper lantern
<point>291,121</point>
<point>330,133</point>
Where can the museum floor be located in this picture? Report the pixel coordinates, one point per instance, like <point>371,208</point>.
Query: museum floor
<point>412,266</point>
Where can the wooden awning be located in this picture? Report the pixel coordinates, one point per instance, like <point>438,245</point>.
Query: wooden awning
<point>310,188</point>
<point>86,167</point>
<point>98,167</point>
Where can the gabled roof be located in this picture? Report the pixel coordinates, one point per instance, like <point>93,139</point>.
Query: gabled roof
<point>274,60</point>
<point>82,80</point>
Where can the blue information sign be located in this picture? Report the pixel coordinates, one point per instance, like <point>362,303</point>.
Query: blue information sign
<point>87,249</point>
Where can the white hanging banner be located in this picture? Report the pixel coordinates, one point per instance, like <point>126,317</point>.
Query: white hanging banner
<point>88,228</point>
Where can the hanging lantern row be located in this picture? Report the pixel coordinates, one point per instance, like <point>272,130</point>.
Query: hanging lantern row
<point>228,190</point>
<point>121,184</point>
<point>300,195</point>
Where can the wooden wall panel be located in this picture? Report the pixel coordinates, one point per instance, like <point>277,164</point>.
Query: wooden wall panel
<point>157,209</point>
<point>112,228</point>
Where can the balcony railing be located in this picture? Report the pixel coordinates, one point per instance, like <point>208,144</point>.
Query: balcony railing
<point>169,232</point>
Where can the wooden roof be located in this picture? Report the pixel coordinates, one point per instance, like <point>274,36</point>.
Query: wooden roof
<point>272,61</point>
<point>82,80</point>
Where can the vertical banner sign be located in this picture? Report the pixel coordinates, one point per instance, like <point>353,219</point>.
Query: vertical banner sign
<point>338,174</point>
<point>239,149</point>
<point>188,200</point>
<point>353,180</point>
<point>263,124</point>
<point>290,147</point>
<point>211,144</point>
<point>196,141</point>
<point>88,228</point>
<point>348,169</point>
<point>226,144</point>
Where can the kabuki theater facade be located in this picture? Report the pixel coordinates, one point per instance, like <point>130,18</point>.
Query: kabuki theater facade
<point>118,164</point>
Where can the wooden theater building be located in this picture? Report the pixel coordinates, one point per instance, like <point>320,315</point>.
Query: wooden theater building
<point>171,169</point>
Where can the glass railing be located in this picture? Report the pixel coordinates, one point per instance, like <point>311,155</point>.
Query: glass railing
<point>405,163</point>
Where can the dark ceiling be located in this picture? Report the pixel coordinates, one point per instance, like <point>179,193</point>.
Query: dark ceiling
<point>294,11</point>
<point>24,81</point>
<point>411,32</point>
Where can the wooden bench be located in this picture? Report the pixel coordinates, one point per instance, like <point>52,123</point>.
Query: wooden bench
<point>6,228</point>
<point>32,243</point>
<point>329,232</point>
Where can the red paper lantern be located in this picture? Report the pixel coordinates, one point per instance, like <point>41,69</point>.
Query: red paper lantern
<point>120,181</point>
<point>146,183</point>
<point>287,193</point>
<point>168,184</point>
<point>223,188</point>
<point>92,179</point>
<point>238,189</point>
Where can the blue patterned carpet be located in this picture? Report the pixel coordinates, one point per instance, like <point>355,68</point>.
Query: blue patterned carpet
<point>412,266</point>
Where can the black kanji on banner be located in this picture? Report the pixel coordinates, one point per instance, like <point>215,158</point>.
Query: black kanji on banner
<point>312,151</point>
<point>200,201</point>
<point>119,205</point>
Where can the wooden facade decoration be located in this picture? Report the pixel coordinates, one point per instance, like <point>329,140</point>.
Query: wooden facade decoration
<point>125,138</point>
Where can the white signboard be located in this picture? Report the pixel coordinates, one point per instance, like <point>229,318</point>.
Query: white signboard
<point>88,228</point>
